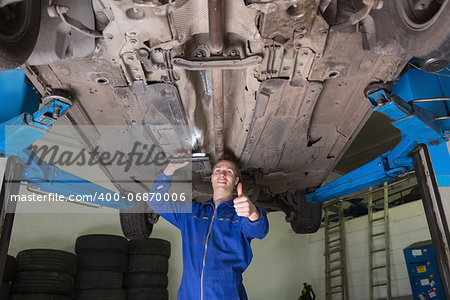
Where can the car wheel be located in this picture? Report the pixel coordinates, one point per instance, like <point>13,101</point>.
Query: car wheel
<point>135,222</point>
<point>135,226</point>
<point>19,29</point>
<point>307,216</point>
<point>422,27</point>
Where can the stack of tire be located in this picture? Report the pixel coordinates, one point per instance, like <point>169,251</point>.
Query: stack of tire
<point>44,274</point>
<point>102,262</point>
<point>148,264</point>
<point>8,276</point>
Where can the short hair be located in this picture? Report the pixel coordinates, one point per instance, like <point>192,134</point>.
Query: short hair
<point>228,156</point>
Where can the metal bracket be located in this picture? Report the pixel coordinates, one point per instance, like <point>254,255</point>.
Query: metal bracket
<point>22,130</point>
<point>61,11</point>
<point>217,64</point>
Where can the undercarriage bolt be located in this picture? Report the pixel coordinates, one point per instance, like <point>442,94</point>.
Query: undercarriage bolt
<point>55,10</point>
<point>200,54</point>
<point>56,111</point>
<point>421,4</point>
<point>378,4</point>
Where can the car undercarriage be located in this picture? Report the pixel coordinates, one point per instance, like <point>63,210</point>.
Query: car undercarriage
<point>280,84</point>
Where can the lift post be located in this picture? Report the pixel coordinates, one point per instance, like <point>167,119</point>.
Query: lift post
<point>10,185</point>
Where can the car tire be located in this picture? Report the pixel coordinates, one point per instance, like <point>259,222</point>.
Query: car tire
<point>10,269</point>
<point>149,246</point>
<point>307,215</point>
<point>103,294</point>
<point>148,263</point>
<point>112,262</point>
<point>425,35</point>
<point>135,225</point>
<point>39,297</point>
<point>103,243</point>
<point>19,29</point>
<point>5,290</point>
<point>145,279</point>
<point>86,280</point>
<point>147,293</point>
<point>43,282</point>
<point>47,260</point>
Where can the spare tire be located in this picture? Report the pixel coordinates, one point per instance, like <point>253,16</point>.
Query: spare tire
<point>148,263</point>
<point>146,279</point>
<point>147,293</point>
<point>103,294</point>
<point>10,269</point>
<point>39,297</point>
<point>150,246</point>
<point>113,262</point>
<point>86,280</point>
<point>43,282</point>
<point>105,243</point>
<point>5,290</point>
<point>19,29</point>
<point>47,260</point>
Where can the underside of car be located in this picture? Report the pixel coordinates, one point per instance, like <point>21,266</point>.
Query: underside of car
<point>280,84</point>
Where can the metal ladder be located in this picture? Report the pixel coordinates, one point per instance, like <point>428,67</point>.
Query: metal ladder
<point>386,249</point>
<point>335,259</point>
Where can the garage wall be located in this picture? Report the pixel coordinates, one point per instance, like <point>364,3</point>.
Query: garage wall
<point>407,225</point>
<point>281,263</point>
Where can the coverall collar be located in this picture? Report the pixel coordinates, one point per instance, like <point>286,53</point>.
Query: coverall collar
<point>210,201</point>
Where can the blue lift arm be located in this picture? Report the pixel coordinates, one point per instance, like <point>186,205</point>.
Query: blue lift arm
<point>421,121</point>
<point>21,131</point>
<point>48,178</point>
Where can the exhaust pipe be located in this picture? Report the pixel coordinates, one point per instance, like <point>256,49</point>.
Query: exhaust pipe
<point>216,41</point>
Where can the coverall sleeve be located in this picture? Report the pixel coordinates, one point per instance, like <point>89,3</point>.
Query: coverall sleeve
<point>257,229</point>
<point>172,211</point>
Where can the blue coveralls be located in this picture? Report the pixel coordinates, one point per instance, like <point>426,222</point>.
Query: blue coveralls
<point>216,245</point>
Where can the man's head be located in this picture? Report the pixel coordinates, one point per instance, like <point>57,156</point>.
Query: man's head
<point>225,175</point>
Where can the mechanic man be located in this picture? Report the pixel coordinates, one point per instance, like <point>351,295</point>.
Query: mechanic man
<point>216,235</point>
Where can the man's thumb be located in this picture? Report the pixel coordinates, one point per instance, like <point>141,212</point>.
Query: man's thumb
<point>239,189</point>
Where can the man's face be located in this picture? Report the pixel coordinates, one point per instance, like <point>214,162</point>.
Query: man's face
<point>224,176</point>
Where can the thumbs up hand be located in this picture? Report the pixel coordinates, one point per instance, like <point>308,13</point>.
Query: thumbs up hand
<point>244,207</point>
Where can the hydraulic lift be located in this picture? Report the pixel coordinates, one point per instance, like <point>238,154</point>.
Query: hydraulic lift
<point>22,165</point>
<point>418,104</point>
